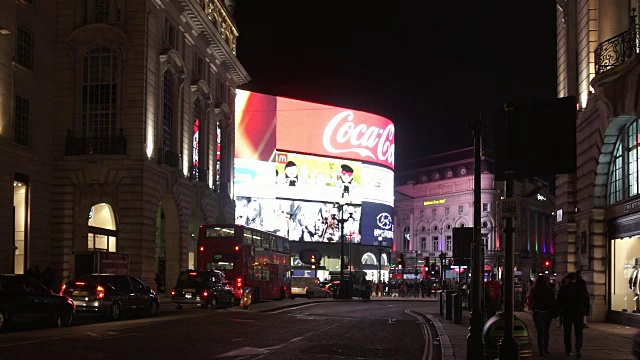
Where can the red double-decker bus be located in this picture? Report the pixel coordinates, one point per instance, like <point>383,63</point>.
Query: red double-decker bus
<point>249,258</point>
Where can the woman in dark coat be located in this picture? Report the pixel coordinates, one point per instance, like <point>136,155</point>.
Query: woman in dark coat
<point>543,304</point>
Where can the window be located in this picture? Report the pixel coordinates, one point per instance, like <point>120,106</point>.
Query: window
<point>446,210</point>
<point>632,158</point>
<point>434,212</point>
<point>24,48</point>
<point>218,149</point>
<point>405,216</point>
<point>136,284</point>
<point>169,33</point>
<point>615,177</point>
<point>485,206</point>
<point>167,111</point>
<point>195,158</point>
<point>99,88</point>
<point>406,238</point>
<point>435,243</point>
<point>104,11</point>
<point>22,123</point>
<point>423,244</point>
<point>460,209</point>
<point>421,213</point>
<point>449,243</point>
<point>198,66</point>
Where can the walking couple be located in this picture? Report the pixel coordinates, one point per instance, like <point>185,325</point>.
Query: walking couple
<point>572,303</point>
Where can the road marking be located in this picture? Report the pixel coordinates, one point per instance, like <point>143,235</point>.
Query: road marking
<point>391,321</point>
<point>243,320</point>
<point>291,308</point>
<point>243,351</point>
<point>426,333</point>
<point>93,334</point>
<point>27,342</point>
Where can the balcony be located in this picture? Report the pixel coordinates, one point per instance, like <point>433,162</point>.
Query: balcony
<point>169,158</point>
<point>198,174</point>
<point>616,50</point>
<point>95,145</point>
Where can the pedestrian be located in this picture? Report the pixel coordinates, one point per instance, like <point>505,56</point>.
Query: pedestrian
<point>580,281</point>
<point>492,296</point>
<point>542,304</point>
<point>573,303</point>
<point>48,279</point>
<point>563,282</point>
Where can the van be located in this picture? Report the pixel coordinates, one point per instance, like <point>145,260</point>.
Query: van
<point>307,287</point>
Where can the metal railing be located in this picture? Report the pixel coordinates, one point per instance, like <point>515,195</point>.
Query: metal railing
<point>616,50</point>
<point>95,145</point>
<point>169,158</point>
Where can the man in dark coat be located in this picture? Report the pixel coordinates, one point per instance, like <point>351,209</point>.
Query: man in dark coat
<point>573,301</point>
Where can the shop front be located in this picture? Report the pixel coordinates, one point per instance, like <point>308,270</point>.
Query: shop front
<point>624,268</point>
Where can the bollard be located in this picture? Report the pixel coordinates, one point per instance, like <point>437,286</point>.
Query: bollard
<point>456,299</point>
<point>449,304</point>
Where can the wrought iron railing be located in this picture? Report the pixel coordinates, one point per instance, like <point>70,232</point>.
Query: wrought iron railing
<point>198,174</point>
<point>95,145</point>
<point>616,50</point>
<point>169,158</point>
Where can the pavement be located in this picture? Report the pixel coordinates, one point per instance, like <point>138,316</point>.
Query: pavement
<point>602,341</point>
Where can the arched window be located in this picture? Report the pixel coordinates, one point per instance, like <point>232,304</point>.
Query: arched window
<point>167,111</point>
<point>102,11</point>
<point>218,158</point>
<point>615,176</point>
<point>406,238</point>
<point>99,89</point>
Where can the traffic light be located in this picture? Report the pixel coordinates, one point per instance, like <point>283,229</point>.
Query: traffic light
<point>401,260</point>
<point>450,261</point>
<point>547,264</point>
<point>426,261</point>
<point>313,261</point>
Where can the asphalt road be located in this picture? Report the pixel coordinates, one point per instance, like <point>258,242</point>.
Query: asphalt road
<point>309,330</point>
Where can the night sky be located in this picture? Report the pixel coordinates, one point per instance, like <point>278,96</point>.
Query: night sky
<point>429,66</point>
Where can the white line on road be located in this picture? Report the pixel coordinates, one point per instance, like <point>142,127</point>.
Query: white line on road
<point>93,334</point>
<point>27,342</point>
<point>291,308</point>
<point>426,332</point>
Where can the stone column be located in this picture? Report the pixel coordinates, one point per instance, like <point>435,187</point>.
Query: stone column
<point>613,19</point>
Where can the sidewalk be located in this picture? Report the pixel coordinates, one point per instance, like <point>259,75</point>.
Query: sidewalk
<point>602,341</point>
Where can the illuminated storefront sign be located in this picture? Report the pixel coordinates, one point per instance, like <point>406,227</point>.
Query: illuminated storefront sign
<point>434,202</point>
<point>308,177</point>
<point>299,220</point>
<point>265,123</point>
<point>377,222</point>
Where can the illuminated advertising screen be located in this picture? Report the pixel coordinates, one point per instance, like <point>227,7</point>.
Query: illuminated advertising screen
<point>307,177</point>
<point>377,184</point>
<point>377,223</point>
<point>254,178</point>
<point>307,221</point>
<point>265,123</point>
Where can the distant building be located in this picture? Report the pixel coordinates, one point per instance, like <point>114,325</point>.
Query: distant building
<point>116,131</point>
<point>435,195</point>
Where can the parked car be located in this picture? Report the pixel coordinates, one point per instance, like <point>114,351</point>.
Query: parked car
<point>111,295</point>
<point>205,288</point>
<point>307,287</point>
<point>24,299</point>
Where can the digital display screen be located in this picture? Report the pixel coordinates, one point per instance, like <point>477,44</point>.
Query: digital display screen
<point>377,184</point>
<point>377,223</point>
<point>254,178</point>
<point>309,221</point>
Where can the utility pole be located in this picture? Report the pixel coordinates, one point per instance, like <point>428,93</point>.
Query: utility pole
<point>508,345</point>
<point>475,346</point>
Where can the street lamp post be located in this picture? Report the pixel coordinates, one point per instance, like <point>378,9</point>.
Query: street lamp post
<point>443,258</point>
<point>343,288</point>
<point>380,244</point>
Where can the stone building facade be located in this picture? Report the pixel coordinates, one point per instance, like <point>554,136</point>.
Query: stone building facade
<point>599,232</point>
<point>117,131</point>
<point>435,194</point>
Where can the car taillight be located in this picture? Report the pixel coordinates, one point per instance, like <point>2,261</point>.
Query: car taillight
<point>78,283</point>
<point>205,294</point>
<point>173,292</point>
<point>100,292</point>
<point>64,286</point>
<point>239,283</point>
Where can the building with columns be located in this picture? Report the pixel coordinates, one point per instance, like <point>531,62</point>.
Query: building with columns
<point>599,229</point>
<point>116,131</point>
<point>434,195</point>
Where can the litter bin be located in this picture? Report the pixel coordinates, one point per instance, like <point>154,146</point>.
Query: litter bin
<point>494,331</point>
<point>442,301</point>
<point>449,304</point>
<point>456,307</point>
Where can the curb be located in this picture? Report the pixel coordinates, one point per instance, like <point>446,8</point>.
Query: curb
<point>445,342</point>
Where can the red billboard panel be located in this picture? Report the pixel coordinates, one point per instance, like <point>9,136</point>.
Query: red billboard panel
<point>311,128</point>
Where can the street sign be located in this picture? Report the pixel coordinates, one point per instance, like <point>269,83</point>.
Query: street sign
<point>509,208</point>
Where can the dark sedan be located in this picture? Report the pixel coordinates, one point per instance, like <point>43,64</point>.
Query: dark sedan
<point>23,299</point>
<point>111,295</point>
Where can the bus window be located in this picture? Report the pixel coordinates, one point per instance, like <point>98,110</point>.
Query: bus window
<point>215,232</point>
<point>265,242</point>
<point>279,241</point>
<point>256,239</point>
<point>272,242</point>
<point>246,239</point>
<point>256,273</point>
<point>265,274</point>
<point>286,245</point>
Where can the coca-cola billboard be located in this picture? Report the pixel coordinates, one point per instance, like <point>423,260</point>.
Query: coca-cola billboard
<point>311,128</point>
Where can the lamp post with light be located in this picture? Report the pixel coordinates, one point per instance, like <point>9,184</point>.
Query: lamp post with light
<point>380,244</point>
<point>342,221</point>
<point>443,258</point>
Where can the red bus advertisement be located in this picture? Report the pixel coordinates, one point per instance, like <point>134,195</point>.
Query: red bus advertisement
<point>250,258</point>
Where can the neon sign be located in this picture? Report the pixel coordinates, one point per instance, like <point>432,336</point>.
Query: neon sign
<point>434,202</point>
